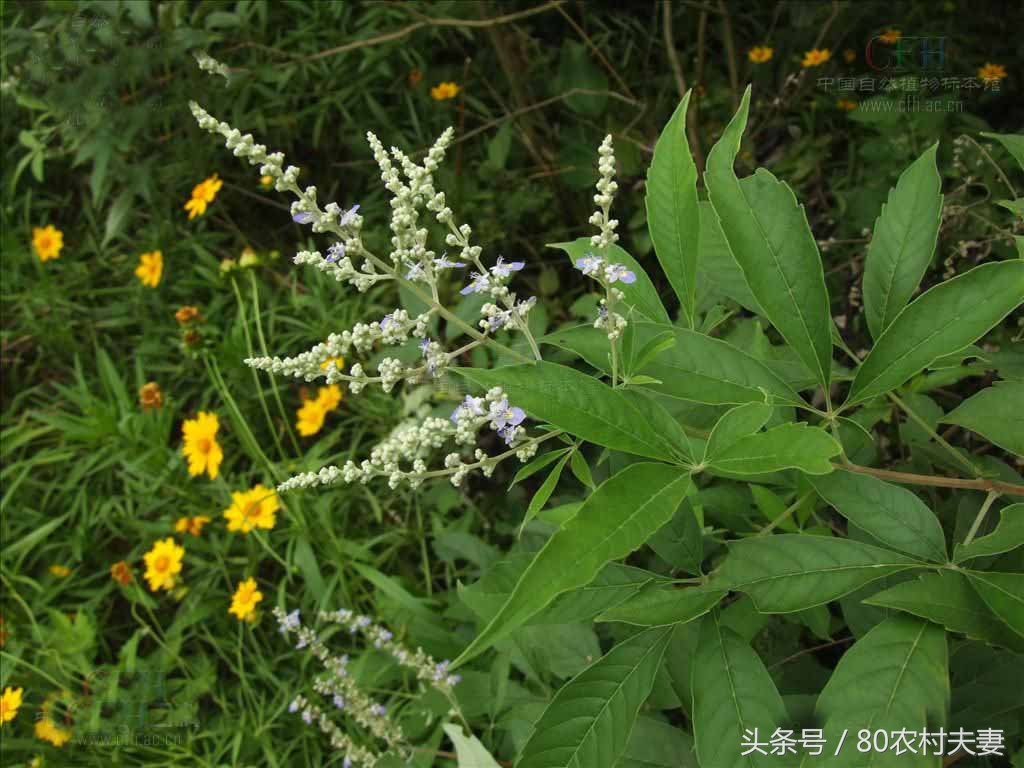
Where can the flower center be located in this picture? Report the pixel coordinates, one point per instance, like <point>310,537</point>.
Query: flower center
<point>252,510</point>
<point>204,444</point>
<point>162,563</point>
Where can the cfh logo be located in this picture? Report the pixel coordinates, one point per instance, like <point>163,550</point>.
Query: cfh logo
<point>906,53</point>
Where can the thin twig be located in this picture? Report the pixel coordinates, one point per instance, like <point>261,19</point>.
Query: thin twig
<point>908,478</point>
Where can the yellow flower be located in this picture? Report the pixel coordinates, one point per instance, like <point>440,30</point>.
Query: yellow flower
<point>150,396</point>
<point>266,181</point>
<point>759,54</point>
<point>847,105</point>
<point>444,91</point>
<point>890,36</point>
<point>192,525</point>
<point>339,363</point>
<point>60,571</point>
<point>201,447</point>
<point>9,704</point>
<point>816,56</point>
<point>255,508</point>
<point>163,564</point>
<point>310,418</point>
<point>49,731</point>
<point>243,603</point>
<point>121,572</point>
<point>850,55</point>
<point>329,397</point>
<point>248,258</point>
<point>989,72</point>
<point>150,269</point>
<point>226,265</point>
<point>47,241</point>
<point>203,193</point>
<point>186,315</point>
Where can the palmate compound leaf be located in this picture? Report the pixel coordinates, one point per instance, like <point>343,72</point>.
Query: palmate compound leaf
<point>903,242</point>
<point>579,404</point>
<point>732,694</point>
<point>641,294</point>
<point>890,514</point>
<point>996,413</point>
<point>589,721</point>
<point>672,210</point>
<point>616,519</point>
<point>896,677</point>
<point>770,239</point>
<point>939,322</point>
<point>948,599</point>
<point>792,572</point>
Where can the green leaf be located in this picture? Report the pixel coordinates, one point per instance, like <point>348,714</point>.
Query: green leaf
<point>680,542</point>
<point>946,598</point>
<point>787,446</point>
<point>641,295</point>
<point>737,423</point>
<point>732,694</point>
<point>893,515</point>
<point>538,464</point>
<point>577,403</point>
<point>1004,593</point>
<point>996,413</point>
<point>792,572</point>
<point>616,519</point>
<point>672,212</point>
<point>717,268</point>
<point>1008,535</point>
<point>903,242</point>
<point>703,369</point>
<point>588,723</point>
<point>770,239</point>
<point>661,604</point>
<point>896,677</point>
<point>470,752</point>
<point>940,321</point>
<point>117,216</point>
<point>540,498</point>
<point>588,342</point>
<point>581,470</point>
<point>1014,143</point>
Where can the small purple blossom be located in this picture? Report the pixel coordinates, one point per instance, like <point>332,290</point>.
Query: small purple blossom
<point>290,622</point>
<point>339,701</point>
<point>424,346</point>
<point>508,434</point>
<point>387,321</point>
<point>378,710</point>
<point>503,269</point>
<point>444,263</point>
<point>302,218</point>
<point>497,321</point>
<point>589,264</point>
<point>471,405</point>
<point>480,283</point>
<point>454,679</point>
<point>502,414</point>
<point>294,706</point>
<point>347,762</point>
<point>415,272</point>
<point>307,715</point>
<point>616,272</point>
<point>349,216</point>
<point>336,251</point>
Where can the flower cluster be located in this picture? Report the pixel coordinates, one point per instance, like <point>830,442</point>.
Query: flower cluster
<point>338,687</point>
<point>606,188</point>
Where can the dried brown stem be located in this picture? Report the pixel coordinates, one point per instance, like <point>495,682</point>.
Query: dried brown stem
<point>908,478</point>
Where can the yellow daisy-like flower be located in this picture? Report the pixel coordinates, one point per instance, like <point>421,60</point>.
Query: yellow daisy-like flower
<point>255,508</point>
<point>150,396</point>
<point>47,242</point>
<point>310,418</point>
<point>759,54</point>
<point>60,571</point>
<point>203,193</point>
<point>329,397</point>
<point>150,269</point>
<point>815,57</point>
<point>847,105</point>
<point>992,71</point>
<point>9,704</point>
<point>890,36</point>
<point>201,447</point>
<point>445,91</point>
<point>191,525</point>
<point>266,181</point>
<point>850,55</point>
<point>186,315</point>
<point>245,599</point>
<point>47,730</point>
<point>121,572</point>
<point>163,564</point>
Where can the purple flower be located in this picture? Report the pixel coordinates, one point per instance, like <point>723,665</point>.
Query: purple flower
<point>589,264</point>
<point>502,414</point>
<point>308,716</point>
<point>387,321</point>
<point>349,216</point>
<point>290,622</point>
<point>302,218</point>
<point>378,710</point>
<point>454,679</point>
<point>501,269</point>
<point>347,762</point>
<point>497,321</point>
<point>480,283</point>
<point>471,405</point>
<point>294,706</point>
<point>336,251</point>
<point>424,346</point>
<point>616,272</point>
<point>339,701</point>
<point>443,263</point>
<point>508,434</point>
<point>415,272</point>
<point>602,312</point>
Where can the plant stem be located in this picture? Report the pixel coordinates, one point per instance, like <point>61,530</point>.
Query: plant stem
<point>908,478</point>
<point>992,496</point>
